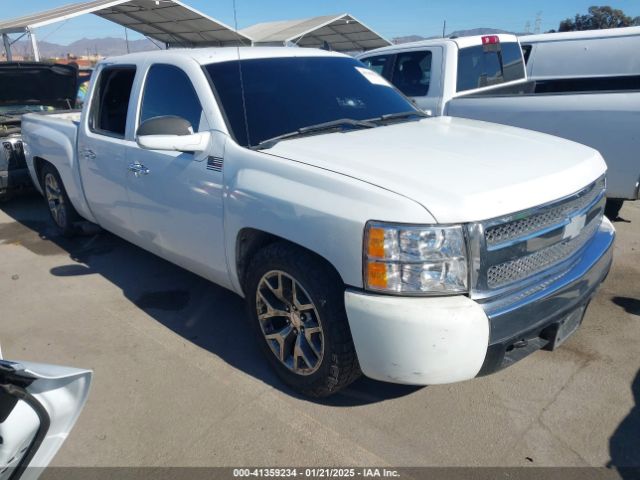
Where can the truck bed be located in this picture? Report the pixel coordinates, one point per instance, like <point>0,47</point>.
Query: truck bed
<point>605,84</point>
<point>601,112</point>
<point>53,136</point>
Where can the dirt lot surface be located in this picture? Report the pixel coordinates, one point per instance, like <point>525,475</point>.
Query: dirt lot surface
<point>179,380</point>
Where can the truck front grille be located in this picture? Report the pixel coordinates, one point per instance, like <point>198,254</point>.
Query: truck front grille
<point>557,214</point>
<point>14,153</point>
<point>523,248</point>
<point>533,263</point>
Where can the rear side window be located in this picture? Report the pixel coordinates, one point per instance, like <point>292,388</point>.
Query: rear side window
<point>378,64</point>
<point>412,73</point>
<point>111,101</point>
<point>168,91</point>
<point>481,67</point>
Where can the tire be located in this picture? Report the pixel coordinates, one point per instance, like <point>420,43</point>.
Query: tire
<point>64,215</point>
<point>315,344</point>
<point>612,208</point>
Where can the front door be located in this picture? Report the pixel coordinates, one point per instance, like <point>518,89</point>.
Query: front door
<point>102,147</point>
<point>176,197</point>
<point>414,73</point>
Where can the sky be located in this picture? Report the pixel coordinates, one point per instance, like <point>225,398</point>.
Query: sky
<point>390,18</point>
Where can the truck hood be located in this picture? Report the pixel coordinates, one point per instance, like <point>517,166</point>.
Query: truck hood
<point>459,170</point>
<point>28,83</point>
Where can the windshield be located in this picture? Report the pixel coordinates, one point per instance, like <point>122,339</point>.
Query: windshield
<point>480,66</point>
<point>283,95</point>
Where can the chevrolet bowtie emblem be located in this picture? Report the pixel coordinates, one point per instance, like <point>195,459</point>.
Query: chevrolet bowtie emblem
<point>574,227</point>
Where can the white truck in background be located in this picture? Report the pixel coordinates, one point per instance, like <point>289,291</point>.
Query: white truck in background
<point>363,236</point>
<point>593,53</point>
<point>484,78</point>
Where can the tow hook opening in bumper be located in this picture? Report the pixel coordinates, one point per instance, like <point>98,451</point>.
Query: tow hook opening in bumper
<point>548,319</point>
<point>548,337</point>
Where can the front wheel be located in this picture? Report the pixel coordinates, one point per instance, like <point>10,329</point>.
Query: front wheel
<point>64,215</point>
<point>296,307</point>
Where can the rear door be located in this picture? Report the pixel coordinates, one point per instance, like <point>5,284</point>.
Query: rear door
<point>176,202</point>
<point>101,148</point>
<point>413,75</point>
<point>381,64</point>
<point>416,73</point>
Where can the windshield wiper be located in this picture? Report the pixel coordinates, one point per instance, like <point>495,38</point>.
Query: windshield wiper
<point>399,115</point>
<point>319,127</point>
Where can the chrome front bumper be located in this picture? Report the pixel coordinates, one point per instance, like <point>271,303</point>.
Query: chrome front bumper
<point>434,340</point>
<point>525,322</point>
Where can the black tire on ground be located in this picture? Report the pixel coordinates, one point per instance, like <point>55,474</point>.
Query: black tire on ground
<point>612,208</point>
<point>64,215</point>
<point>337,366</point>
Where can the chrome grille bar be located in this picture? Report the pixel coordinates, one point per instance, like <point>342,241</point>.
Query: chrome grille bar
<point>528,265</point>
<point>499,235</point>
<point>14,153</point>
<point>516,251</point>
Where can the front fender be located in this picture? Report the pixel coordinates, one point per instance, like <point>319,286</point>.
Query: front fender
<point>318,209</point>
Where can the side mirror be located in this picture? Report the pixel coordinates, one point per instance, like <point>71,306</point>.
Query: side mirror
<point>171,133</point>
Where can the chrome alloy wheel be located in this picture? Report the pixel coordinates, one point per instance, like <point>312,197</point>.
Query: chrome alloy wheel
<point>290,322</point>
<point>55,199</point>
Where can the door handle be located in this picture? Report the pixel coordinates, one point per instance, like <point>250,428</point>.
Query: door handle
<point>138,169</point>
<point>88,153</point>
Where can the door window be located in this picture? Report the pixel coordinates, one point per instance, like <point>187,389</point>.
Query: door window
<point>378,64</point>
<point>111,101</point>
<point>412,73</point>
<point>480,67</point>
<point>168,91</point>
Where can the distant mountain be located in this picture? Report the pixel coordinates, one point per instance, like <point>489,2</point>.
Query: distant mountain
<point>457,33</point>
<point>107,47</point>
<point>407,39</point>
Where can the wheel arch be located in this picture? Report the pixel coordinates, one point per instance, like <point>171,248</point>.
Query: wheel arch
<point>38,164</point>
<point>249,241</point>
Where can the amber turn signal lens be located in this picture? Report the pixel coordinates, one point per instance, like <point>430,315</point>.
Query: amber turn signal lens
<point>377,275</point>
<point>375,248</point>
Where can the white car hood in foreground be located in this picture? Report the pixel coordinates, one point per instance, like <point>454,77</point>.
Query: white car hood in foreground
<point>459,170</point>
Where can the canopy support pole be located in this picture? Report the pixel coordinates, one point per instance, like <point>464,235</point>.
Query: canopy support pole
<point>34,46</point>
<point>7,47</point>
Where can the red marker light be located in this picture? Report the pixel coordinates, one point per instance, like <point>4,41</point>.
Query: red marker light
<point>490,40</point>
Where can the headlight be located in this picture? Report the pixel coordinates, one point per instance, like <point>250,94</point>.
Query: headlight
<point>414,259</point>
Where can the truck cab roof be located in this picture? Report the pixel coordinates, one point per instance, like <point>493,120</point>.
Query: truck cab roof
<point>459,42</point>
<point>581,35</point>
<point>205,56</point>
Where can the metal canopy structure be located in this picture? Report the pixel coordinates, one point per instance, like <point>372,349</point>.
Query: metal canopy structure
<point>342,33</point>
<point>168,21</point>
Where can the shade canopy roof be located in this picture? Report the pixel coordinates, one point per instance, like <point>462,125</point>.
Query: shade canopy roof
<point>167,21</point>
<point>342,33</point>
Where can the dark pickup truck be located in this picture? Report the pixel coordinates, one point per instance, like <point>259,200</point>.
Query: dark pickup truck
<point>27,87</point>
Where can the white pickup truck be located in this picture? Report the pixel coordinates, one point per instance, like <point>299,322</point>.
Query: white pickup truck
<point>363,236</point>
<point>483,78</point>
<point>609,52</point>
